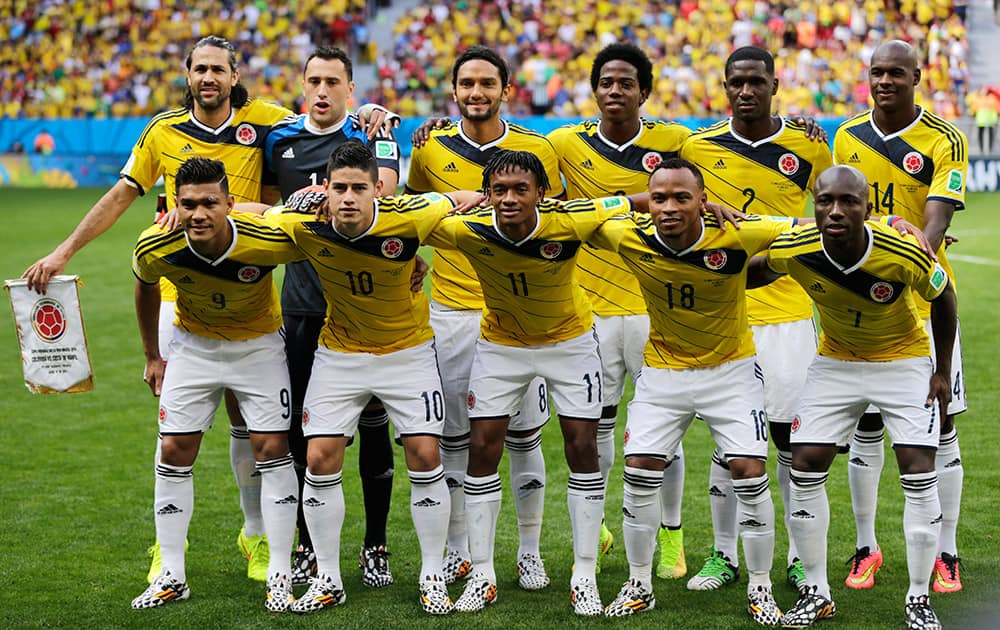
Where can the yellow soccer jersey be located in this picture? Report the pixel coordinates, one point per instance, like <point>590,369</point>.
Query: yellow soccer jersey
<point>531,298</point>
<point>926,160</point>
<point>773,176</point>
<point>450,161</point>
<point>866,312</point>
<point>597,167</point>
<point>366,279</point>
<point>233,297</point>
<point>696,297</point>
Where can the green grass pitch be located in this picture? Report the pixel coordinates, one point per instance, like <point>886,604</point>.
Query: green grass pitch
<point>76,483</point>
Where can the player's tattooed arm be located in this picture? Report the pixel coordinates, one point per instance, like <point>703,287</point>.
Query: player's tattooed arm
<point>759,273</point>
<point>147,313</point>
<point>423,132</point>
<point>944,321</point>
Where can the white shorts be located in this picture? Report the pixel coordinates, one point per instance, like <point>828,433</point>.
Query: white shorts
<point>837,392</point>
<point>728,397</point>
<point>406,381</point>
<point>166,328</point>
<point>200,369</point>
<point>784,352</point>
<point>958,402</point>
<point>623,339</point>
<point>455,334</point>
<point>501,376</point>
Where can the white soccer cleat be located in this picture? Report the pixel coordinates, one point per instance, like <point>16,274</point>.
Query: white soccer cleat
<point>434,596</point>
<point>585,598</point>
<point>479,593</point>
<point>531,574</point>
<point>164,590</point>
<point>634,597</point>
<point>322,593</point>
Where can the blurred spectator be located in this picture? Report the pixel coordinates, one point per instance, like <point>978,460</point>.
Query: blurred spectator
<point>16,147</point>
<point>985,107</point>
<point>44,143</point>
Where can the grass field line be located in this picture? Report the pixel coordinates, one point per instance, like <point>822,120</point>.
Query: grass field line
<point>976,260</point>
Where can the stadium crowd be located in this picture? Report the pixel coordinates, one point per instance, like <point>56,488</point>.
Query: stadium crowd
<point>119,57</point>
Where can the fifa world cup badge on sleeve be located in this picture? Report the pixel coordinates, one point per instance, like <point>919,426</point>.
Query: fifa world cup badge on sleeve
<point>51,337</point>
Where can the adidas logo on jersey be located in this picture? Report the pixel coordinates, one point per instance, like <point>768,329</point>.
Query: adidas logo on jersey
<point>187,149</point>
<point>721,164</point>
<point>486,251</point>
<point>646,258</point>
<point>587,164</point>
<point>854,159</point>
<point>185,280</point>
<point>426,502</point>
<point>817,287</point>
<point>324,253</point>
<point>169,508</point>
<point>450,168</point>
<point>288,154</point>
<point>289,500</point>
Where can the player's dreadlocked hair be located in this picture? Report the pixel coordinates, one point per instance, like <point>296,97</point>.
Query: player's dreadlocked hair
<point>750,53</point>
<point>353,154</point>
<point>630,54</point>
<point>239,96</point>
<point>504,161</point>
<point>199,170</point>
<point>486,54</point>
<point>676,164</point>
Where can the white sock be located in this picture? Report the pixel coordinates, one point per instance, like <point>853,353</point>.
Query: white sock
<point>756,523</point>
<point>808,525</point>
<point>279,498</point>
<point>173,502</point>
<point>323,505</point>
<point>482,507</point>
<point>784,468</point>
<point>921,528</point>
<point>948,464</point>
<point>724,508</point>
<point>585,497</point>
<point>527,483</point>
<point>672,490</point>
<point>606,446</point>
<point>455,461</point>
<point>863,471</point>
<point>247,479</point>
<point>639,525</point>
<point>430,507</point>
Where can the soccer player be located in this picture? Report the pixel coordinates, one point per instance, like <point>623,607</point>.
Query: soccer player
<point>376,341</point>
<point>226,337</point>
<point>296,154</point>
<point>693,277</point>
<point>915,163</point>
<point>452,158</point>
<point>873,350</point>
<point>762,164</point>
<point>614,156</point>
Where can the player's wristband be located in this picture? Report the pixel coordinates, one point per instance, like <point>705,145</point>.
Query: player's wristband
<point>890,220</point>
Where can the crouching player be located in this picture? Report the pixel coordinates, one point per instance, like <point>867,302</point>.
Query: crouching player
<point>227,337</point>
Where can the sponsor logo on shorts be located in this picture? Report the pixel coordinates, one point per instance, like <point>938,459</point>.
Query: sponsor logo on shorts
<point>913,162</point>
<point>163,414</point>
<point>788,164</point>
<point>593,497</point>
<point>802,514</point>
<point>751,522</point>
<point>857,461</point>
<point>551,250</point>
<point>169,508</point>
<point>386,150</point>
<point>471,400</point>
<point>426,502</point>
<point>246,134</point>
<point>392,247</point>
<point>289,500</point>
<point>313,502</point>
<point>955,181</point>
<point>650,161</point>
<point>48,319</point>
<point>715,259</point>
<point>796,423</point>
<point>248,273</point>
<point>881,292</point>
<point>715,492</point>
<point>451,482</point>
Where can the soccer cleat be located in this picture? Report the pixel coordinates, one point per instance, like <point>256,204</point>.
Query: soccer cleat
<point>374,563</point>
<point>303,564</point>
<point>716,573</point>
<point>946,575</point>
<point>604,544</point>
<point>322,593</point>
<point>585,598</point>
<point>164,590</point>
<point>531,574</point>
<point>456,567</point>
<point>434,597</point>
<point>809,609</point>
<point>156,562</point>
<point>864,566</point>
<point>672,564</point>
<point>796,575</point>
<point>634,597</point>
<point>479,593</point>
<point>257,553</point>
<point>920,615</point>
<point>762,607</point>
<point>279,593</point>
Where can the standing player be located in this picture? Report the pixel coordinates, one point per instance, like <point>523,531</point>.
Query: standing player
<point>693,278</point>
<point>296,153</point>
<point>614,156</point>
<point>452,158</point>
<point>915,163</point>
<point>762,164</point>
<point>873,350</point>
<point>227,338</point>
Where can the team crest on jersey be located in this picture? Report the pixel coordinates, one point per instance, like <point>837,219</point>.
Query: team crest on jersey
<point>788,164</point>
<point>550,250</point>
<point>471,400</point>
<point>715,259</point>
<point>913,162</point>
<point>246,134</point>
<point>48,319</point>
<point>796,423</point>
<point>392,247</point>
<point>248,273</point>
<point>881,292</point>
<point>651,160</point>
<point>163,414</point>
